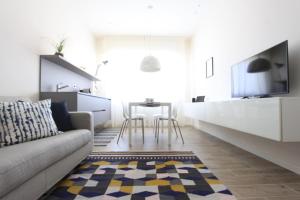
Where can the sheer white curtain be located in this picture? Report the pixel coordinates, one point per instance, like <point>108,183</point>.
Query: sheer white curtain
<point>123,81</point>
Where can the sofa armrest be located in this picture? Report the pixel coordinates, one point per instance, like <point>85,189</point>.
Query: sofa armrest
<point>83,120</point>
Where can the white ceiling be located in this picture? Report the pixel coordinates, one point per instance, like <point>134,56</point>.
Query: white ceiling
<point>107,17</point>
<point>133,17</point>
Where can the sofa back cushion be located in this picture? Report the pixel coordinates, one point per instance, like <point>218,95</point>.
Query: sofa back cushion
<point>25,121</point>
<point>61,116</point>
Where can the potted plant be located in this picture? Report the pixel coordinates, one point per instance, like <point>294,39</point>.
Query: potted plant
<point>59,47</point>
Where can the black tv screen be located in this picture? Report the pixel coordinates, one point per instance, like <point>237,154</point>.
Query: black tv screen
<point>264,74</point>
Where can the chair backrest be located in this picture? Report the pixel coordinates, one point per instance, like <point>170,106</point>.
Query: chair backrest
<point>174,111</point>
<point>125,110</point>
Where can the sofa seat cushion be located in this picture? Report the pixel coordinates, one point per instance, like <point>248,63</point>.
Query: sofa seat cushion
<point>20,162</point>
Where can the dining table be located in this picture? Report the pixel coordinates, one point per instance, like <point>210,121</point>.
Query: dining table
<point>149,105</point>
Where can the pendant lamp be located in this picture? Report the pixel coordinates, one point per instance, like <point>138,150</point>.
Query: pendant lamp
<point>150,64</point>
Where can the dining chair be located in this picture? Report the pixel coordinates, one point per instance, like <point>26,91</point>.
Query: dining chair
<point>155,117</point>
<point>138,115</point>
<point>161,118</point>
<point>134,117</point>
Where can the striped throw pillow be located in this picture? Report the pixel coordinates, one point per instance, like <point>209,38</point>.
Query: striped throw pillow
<point>25,121</point>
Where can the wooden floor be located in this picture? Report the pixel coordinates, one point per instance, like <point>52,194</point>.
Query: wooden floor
<point>247,176</point>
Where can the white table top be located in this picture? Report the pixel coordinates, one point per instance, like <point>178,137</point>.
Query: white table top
<point>154,104</point>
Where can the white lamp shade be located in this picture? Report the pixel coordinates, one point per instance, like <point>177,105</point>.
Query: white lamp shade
<point>150,64</point>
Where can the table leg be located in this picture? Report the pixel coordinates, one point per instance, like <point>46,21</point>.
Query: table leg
<point>162,122</point>
<point>169,124</point>
<point>135,121</point>
<point>129,125</point>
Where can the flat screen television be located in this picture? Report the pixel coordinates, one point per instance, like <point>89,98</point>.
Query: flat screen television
<point>262,75</point>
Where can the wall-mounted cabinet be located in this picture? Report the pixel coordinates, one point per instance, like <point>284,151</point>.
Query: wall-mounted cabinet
<point>273,118</point>
<point>76,101</point>
<point>56,70</point>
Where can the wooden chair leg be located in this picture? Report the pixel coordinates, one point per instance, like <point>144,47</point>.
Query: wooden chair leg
<point>121,131</point>
<point>180,131</point>
<point>125,127</point>
<point>175,128</point>
<point>122,127</point>
<point>143,131</point>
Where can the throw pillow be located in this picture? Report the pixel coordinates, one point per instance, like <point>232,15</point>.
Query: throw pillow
<point>25,121</point>
<point>61,116</point>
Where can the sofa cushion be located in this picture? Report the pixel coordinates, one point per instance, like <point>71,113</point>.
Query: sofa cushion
<point>25,121</point>
<point>22,161</point>
<point>61,116</point>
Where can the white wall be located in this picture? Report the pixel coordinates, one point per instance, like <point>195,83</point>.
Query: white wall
<point>230,31</point>
<point>30,28</point>
<point>233,30</point>
<point>122,79</point>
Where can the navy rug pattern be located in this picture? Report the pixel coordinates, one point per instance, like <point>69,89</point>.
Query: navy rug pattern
<point>135,177</point>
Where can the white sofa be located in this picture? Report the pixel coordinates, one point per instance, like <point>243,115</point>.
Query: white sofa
<point>30,169</point>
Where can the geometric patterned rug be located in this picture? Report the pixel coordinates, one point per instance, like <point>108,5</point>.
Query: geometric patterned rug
<point>141,176</point>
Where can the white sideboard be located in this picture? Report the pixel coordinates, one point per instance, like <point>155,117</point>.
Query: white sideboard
<point>276,118</point>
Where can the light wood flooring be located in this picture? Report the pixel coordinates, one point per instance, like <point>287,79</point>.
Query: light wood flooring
<point>246,175</point>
